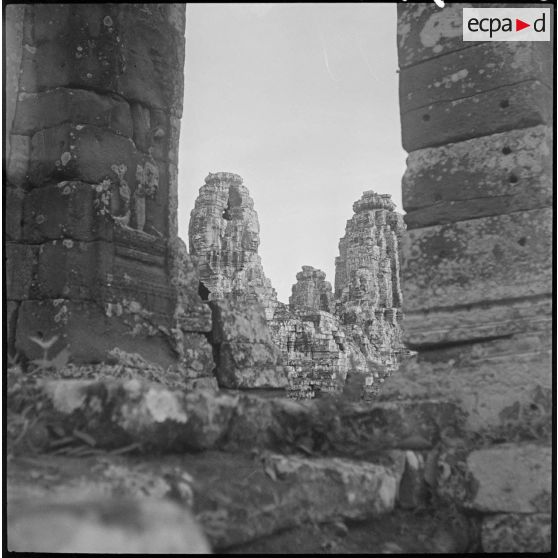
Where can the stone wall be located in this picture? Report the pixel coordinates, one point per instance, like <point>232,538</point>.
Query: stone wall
<point>94,100</point>
<point>476,274</point>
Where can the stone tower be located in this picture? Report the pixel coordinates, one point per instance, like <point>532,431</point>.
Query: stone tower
<point>224,233</point>
<point>367,289</point>
<point>311,290</point>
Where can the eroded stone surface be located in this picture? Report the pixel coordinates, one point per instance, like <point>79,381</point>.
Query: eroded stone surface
<point>224,233</point>
<point>512,478</point>
<point>517,533</point>
<point>246,356</point>
<point>477,260</point>
<point>257,497</point>
<point>312,346</point>
<point>103,526</point>
<point>503,384</point>
<point>478,177</point>
<point>367,287</point>
<point>117,413</point>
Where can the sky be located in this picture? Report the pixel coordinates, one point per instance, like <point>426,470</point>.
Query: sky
<point>301,100</point>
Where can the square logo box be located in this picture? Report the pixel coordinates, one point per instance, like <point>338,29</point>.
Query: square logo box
<point>506,24</point>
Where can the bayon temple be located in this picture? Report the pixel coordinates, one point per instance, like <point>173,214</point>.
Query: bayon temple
<point>160,398</point>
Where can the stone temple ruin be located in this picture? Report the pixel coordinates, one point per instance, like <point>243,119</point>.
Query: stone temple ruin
<point>117,425</point>
<point>322,336</point>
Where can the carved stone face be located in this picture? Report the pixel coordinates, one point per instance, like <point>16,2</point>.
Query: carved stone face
<point>250,240</point>
<point>250,235</point>
<point>362,280</point>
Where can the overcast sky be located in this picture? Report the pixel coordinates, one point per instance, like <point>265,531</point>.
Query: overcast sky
<point>300,100</point>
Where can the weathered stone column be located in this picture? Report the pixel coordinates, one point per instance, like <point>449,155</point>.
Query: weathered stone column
<point>476,271</point>
<point>94,102</point>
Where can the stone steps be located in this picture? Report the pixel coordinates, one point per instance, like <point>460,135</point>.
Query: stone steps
<point>236,498</point>
<point>247,466</point>
<point>251,467</point>
<point>117,415</point>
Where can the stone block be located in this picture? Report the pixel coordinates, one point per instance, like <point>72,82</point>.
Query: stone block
<point>197,356</point>
<point>85,153</point>
<point>476,322</point>
<point>89,332</point>
<point>49,21</point>
<point>257,420</point>
<point>470,71</point>
<point>77,46</point>
<point>506,108</point>
<point>495,174</point>
<point>121,412</point>
<point>37,111</point>
<point>21,270</point>
<point>477,261</point>
<point>512,533</point>
<point>239,321</point>
<point>66,210</point>
<point>72,269</point>
<point>18,162</point>
<point>512,478</point>
<point>360,431</point>
<point>13,212</point>
<point>413,492</point>
<point>196,316</point>
<point>130,50</point>
<point>154,52</point>
<point>103,525</point>
<point>250,365</point>
<point>293,491</point>
<point>255,499</point>
<point>503,385</point>
<point>425,31</point>
<point>206,383</point>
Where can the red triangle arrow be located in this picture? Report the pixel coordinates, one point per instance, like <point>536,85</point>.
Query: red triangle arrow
<point>519,25</point>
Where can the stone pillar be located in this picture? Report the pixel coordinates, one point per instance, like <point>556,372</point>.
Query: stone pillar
<point>94,101</point>
<point>476,262</point>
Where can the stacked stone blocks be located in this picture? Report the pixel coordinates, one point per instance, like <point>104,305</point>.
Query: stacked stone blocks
<point>476,275</point>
